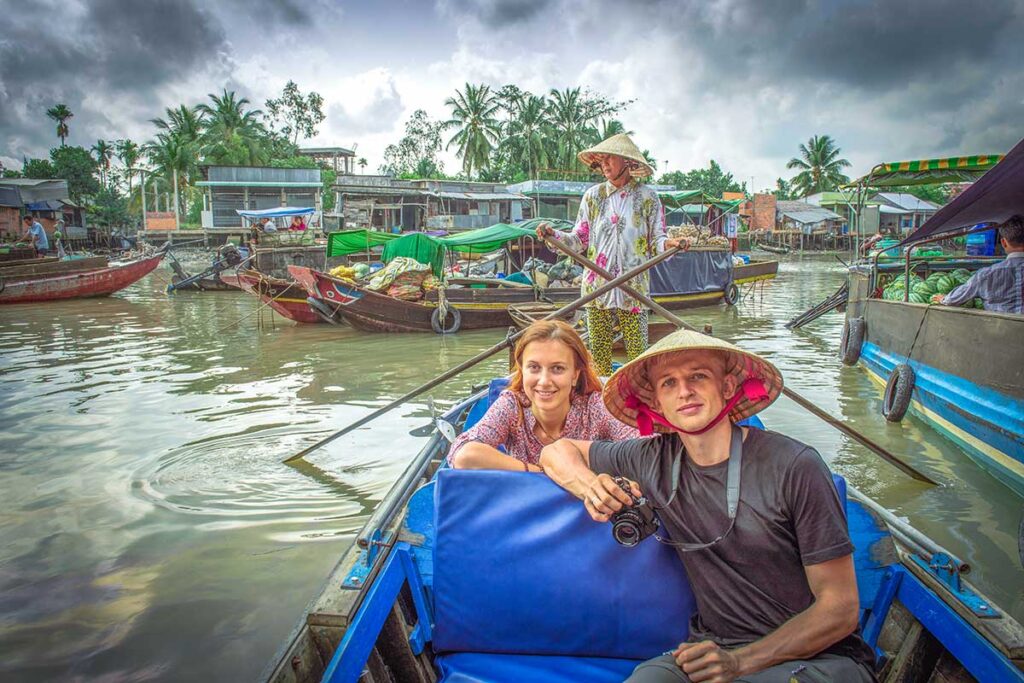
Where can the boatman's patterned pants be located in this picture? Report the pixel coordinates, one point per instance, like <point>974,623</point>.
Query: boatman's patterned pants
<point>601,330</point>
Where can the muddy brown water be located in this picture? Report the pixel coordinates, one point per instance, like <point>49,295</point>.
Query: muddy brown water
<point>151,533</point>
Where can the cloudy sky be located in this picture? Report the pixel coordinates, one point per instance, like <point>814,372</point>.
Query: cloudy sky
<point>739,81</point>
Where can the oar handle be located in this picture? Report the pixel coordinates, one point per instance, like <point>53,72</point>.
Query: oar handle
<point>484,355</point>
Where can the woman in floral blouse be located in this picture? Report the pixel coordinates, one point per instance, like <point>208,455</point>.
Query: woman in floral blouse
<point>620,224</point>
<point>554,393</point>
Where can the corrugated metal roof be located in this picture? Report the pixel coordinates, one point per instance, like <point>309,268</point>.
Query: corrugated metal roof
<point>480,196</point>
<point>906,201</point>
<point>802,212</point>
<point>251,183</point>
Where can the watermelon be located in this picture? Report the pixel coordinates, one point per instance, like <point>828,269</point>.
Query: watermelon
<point>946,284</point>
<point>961,273</point>
<point>916,298</point>
<point>934,277</point>
<point>978,303</point>
<point>923,288</point>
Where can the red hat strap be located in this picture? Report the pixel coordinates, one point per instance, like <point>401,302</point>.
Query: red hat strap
<point>752,390</point>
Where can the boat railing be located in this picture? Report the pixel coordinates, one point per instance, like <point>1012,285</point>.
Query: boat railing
<point>371,538</point>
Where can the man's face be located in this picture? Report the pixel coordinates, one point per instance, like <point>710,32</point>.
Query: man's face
<point>691,387</point>
<point>612,167</point>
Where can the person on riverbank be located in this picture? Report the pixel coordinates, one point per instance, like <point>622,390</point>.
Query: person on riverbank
<point>35,234</point>
<point>754,516</point>
<point>554,393</point>
<point>297,224</point>
<point>620,224</point>
<point>1000,286</point>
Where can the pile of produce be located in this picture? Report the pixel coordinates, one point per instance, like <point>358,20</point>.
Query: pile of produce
<point>563,273</point>
<point>922,289</point>
<point>699,236</point>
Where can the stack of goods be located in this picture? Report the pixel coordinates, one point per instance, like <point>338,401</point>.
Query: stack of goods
<point>699,236</point>
<point>922,289</point>
<point>562,274</point>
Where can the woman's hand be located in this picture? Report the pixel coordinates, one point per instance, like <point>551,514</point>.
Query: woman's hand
<point>681,242</point>
<point>544,230</point>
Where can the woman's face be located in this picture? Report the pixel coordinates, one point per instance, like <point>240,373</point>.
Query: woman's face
<point>549,373</point>
<point>613,167</point>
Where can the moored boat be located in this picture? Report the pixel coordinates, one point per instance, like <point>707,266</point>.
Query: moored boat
<point>417,597</point>
<point>96,278</point>
<point>284,296</point>
<point>960,370</point>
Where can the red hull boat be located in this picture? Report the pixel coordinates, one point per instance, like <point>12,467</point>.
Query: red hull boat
<point>103,281</point>
<point>287,298</point>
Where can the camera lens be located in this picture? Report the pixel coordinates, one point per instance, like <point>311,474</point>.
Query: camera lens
<point>626,534</point>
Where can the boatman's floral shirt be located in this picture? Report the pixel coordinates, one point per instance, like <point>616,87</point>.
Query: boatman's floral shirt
<point>619,229</point>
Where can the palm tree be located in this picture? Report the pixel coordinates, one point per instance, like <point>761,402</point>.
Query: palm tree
<point>60,113</point>
<point>528,131</point>
<point>186,122</point>
<point>820,167</point>
<point>128,152</point>
<point>362,164</point>
<point>168,153</point>
<point>570,123</point>
<point>613,127</point>
<point>104,153</point>
<point>478,129</point>
<point>232,133</point>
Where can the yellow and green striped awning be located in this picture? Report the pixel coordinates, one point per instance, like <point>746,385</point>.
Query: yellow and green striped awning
<point>929,171</point>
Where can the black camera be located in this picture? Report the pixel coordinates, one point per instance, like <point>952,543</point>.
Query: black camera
<point>631,525</point>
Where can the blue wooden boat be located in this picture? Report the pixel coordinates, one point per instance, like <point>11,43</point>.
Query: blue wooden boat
<point>960,370</point>
<point>501,576</point>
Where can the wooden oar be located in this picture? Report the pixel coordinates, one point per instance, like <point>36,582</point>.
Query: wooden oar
<point>484,355</point>
<point>789,393</point>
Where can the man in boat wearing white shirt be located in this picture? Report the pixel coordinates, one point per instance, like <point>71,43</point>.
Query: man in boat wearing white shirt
<point>1001,286</point>
<point>754,515</point>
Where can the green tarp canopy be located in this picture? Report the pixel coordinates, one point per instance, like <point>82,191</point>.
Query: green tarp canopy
<point>431,250</point>
<point>676,200</point>
<point>929,171</point>
<point>353,241</point>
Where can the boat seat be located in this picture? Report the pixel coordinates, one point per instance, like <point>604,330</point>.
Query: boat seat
<point>509,546</point>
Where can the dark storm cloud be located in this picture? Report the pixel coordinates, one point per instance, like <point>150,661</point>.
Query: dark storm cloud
<point>289,12</point>
<point>128,49</point>
<point>498,13</point>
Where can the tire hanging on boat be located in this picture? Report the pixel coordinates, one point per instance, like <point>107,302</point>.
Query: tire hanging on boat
<point>732,294</point>
<point>851,340</point>
<point>437,323</point>
<point>898,392</point>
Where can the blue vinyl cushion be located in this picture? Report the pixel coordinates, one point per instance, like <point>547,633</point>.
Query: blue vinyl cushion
<point>473,667</point>
<point>520,568</point>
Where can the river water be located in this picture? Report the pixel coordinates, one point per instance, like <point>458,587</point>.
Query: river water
<point>150,532</point>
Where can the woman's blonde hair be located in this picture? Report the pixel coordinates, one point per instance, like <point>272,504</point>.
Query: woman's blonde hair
<point>546,330</point>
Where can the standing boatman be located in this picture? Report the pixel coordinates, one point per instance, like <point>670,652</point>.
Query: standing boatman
<point>35,234</point>
<point>621,223</point>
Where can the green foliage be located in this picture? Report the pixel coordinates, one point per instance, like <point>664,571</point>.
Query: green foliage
<point>78,167</point>
<point>820,167</point>
<point>109,209</point>
<point>293,113</point>
<point>38,168</point>
<point>60,113</point>
<point>783,190</point>
<point>104,152</point>
<point>233,135</point>
<point>477,129</point>
<point>327,176</point>
<point>297,161</point>
<point>415,155</point>
<point>711,180</point>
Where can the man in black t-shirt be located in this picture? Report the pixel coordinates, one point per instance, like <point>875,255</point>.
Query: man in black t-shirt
<point>754,515</point>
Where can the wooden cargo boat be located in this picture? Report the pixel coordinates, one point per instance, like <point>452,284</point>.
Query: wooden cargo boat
<point>960,370</point>
<point>755,271</point>
<point>284,296</point>
<point>79,278</point>
<point>417,597</point>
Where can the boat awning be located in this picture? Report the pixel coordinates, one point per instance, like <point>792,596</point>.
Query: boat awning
<point>346,242</point>
<point>993,199</point>
<point>479,196</point>
<point>928,171</point>
<point>279,212</point>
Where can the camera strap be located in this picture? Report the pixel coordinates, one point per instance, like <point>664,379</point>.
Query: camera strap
<point>732,490</point>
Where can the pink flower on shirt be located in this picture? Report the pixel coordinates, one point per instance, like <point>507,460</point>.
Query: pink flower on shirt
<point>602,260</point>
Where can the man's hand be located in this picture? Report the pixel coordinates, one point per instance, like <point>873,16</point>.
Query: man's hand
<point>544,230</point>
<point>706,661</point>
<point>673,242</point>
<point>603,497</point>
<point>938,298</point>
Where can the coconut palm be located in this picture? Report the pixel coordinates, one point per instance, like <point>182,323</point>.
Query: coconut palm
<point>185,122</point>
<point>477,126</point>
<point>168,153</point>
<point>570,123</point>
<point>128,152</point>
<point>103,152</point>
<point>233,134</point>
<point>820,167</point>
<point>527,133</point>
<point>362,164</point>
<point>60,113</point>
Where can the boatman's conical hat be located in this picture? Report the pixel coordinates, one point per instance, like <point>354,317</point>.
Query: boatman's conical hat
<point>621,146</point>
<point>631,384</point>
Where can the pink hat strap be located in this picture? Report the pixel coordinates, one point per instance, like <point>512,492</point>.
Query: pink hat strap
<point>752,390</point>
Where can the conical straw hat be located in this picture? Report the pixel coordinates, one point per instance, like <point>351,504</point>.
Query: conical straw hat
<point>631,380</point>
<point>620,145</point>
